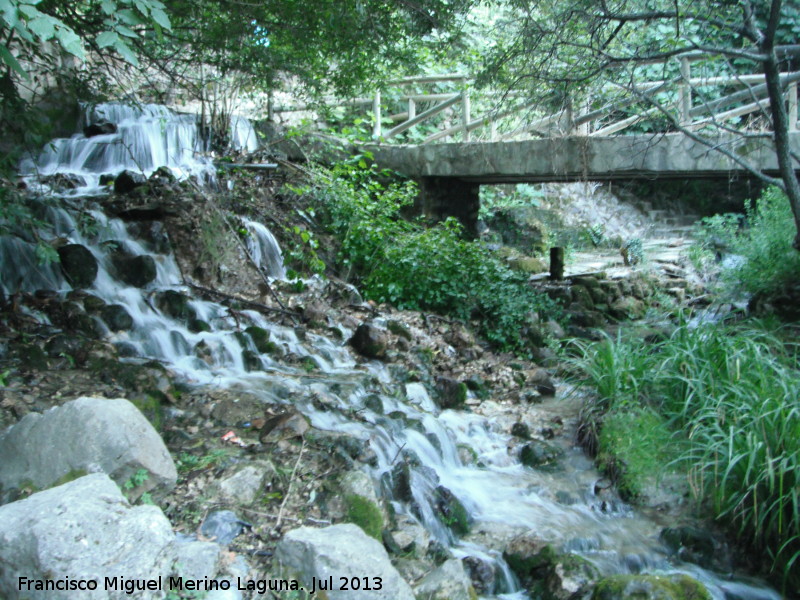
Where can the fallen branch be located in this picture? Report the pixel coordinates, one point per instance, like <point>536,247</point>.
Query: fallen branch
<point>289,489</point>
<point>248,303</point>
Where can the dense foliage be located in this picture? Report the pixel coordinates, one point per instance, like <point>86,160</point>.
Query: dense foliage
<point>756,251</point>
<point>724,401</point>
<point>411,266</point>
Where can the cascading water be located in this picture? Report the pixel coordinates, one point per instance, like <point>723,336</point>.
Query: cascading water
<point>409,427</point>
<point>140,138</point>
<point>264,250</point>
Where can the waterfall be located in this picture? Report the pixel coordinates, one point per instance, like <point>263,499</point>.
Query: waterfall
<point>141,138</point>
<point>264,249</point>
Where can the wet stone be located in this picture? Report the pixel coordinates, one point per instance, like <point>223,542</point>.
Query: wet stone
<point>136,271</point>
<point>103,128</point>
<point>540,455</point>
<point>127,181</point>
<point>116,317</point>
<point>521,430</point>
<point>452,393</point>
<point>369,341</point>
<point>78,265</point>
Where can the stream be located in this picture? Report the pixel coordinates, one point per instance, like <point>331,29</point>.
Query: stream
<point>499,493</point>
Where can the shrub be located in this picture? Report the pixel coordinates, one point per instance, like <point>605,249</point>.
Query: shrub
<point>413,267</point>
<point>763,240</point>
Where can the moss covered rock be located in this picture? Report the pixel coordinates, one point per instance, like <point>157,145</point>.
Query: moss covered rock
<point>547,573</point>
<point>540,455</point>
<point>650,587</point>
<point>452,512</point>
<point>364,513</point>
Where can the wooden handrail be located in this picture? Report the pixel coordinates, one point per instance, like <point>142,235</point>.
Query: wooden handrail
<point>690,113</point>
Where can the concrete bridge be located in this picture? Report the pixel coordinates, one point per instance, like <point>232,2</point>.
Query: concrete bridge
<point>580,141</point>
<point>450,174</point>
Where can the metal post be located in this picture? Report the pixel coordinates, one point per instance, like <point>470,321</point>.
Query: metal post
<point>412,109</point>
<point>376,111</point>
<point>685,92</point>
<point>793,114</point>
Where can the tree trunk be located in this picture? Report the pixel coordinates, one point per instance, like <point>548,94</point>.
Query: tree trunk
<point>780,121</point>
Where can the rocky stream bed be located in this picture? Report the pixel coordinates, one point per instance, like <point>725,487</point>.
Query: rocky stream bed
<point>182,422</point>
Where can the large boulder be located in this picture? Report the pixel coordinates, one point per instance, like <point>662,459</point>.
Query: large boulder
<point>341,552</point>
<point>78,265</point>
<point>134,270</point>
<point>448,582</point>
<point>82,436</point>
<point>84,530</point>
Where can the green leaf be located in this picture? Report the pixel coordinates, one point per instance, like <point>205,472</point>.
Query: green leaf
<point>107,38</point>
<point>29,11</point>
<point>143,6</point>
<point>126,31</point>
<point>9,59</point>
<point>108,7</point>
<point>9,13</point>
<point>43,27</point>
<point>129,17</point>
<point>161,18</point>
<point>126,52</point>
<point>70,42</point>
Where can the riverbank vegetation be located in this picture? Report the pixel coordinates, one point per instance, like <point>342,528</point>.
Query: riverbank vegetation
<point>719,402</point>
<point>415,265</point>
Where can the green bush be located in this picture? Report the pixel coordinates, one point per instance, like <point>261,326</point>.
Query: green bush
<point>422,268</point>
<point>731,395</point>
<point>764,242</point>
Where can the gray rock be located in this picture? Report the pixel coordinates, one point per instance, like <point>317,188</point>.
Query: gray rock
<point>195,560</point>
<point>452,393</point>
<point>360,484</point>
<point>341,551</point>
<point>448,582</point>
<point>243,486</point>
<point>83,530</point>
<point>370,341</point>
<point>103,128</point>
<point>83,436</point>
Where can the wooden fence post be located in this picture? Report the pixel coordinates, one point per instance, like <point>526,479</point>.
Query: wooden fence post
<point>793,114</point>
<point>685,91</point>
<point>465,106</point>
<point>556,263</point>
<point>376,111</point>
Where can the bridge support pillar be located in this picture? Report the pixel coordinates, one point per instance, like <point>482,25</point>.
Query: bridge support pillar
<point>442,197</point>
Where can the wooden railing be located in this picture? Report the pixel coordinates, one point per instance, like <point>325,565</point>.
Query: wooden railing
<point>678,98</point>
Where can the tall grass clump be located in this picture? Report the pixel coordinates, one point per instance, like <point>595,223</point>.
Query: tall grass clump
<point>763,240</point>
<point>730,396</point>
<point>412,266</point>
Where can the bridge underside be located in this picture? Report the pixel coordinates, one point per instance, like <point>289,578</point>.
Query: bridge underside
<point>450,174</point>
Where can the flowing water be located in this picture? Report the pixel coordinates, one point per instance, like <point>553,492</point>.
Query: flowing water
<point>500,494</point>
<point>146,137</point>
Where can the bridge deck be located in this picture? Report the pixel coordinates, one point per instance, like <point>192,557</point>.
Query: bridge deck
<point>663,156</point>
